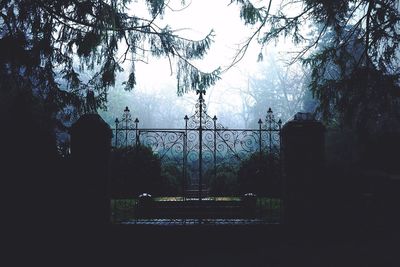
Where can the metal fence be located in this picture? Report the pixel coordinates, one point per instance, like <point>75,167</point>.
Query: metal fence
<point>202,147</point>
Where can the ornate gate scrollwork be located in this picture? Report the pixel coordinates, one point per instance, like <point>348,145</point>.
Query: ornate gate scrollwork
<point>203,143</point>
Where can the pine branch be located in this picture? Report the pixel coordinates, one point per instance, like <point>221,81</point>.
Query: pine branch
<point>242,51</point>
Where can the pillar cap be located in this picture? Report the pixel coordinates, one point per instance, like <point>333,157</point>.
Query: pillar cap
<point>303,125</point>
<point>90,121</point>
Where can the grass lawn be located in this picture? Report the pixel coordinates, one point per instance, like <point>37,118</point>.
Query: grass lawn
<point>124,209</point>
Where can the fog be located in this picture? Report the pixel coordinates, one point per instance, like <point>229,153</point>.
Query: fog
<point>239,99</point>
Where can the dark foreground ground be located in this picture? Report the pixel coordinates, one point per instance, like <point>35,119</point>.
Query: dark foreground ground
<point>271,245</point>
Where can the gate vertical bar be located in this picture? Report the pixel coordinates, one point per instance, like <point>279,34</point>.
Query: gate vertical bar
<point>116,132</point>
<point>270,118</point>
<point>126,133</point>
<point>215,146</point>
<point>200,156</point>
<point>184,170</point>
<point>200,93</point>
<point>260,144</point>
<point>136,132</point>
<point>127,119</point>
<point>259,138</point>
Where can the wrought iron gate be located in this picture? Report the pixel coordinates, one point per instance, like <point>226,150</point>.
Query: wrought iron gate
<point>203,144</point>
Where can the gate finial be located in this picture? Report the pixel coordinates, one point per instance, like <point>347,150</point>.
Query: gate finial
<point>200,92</point>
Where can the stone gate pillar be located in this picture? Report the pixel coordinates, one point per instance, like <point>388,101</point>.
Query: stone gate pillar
<point>90,148</point>
<point>303,159</point>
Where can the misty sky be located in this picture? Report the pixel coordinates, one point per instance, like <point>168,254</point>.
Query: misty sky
<point>196,21</point>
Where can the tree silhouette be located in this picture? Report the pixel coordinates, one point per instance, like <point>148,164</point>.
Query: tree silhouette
<point>359,38</point>
<point>46,45</point>
<point>280,87</point>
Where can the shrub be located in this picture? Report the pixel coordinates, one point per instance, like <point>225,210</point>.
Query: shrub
<point>134,170</point>
<point>225,183</point>
<point>260,174</point>
<point>172,180</point>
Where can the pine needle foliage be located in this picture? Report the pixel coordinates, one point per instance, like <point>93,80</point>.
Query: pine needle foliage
<point>49,48</point>
<point>351,46</point>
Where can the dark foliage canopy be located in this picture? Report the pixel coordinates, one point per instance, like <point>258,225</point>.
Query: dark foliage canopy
<point>358,40</point>
<point>45,46</point>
